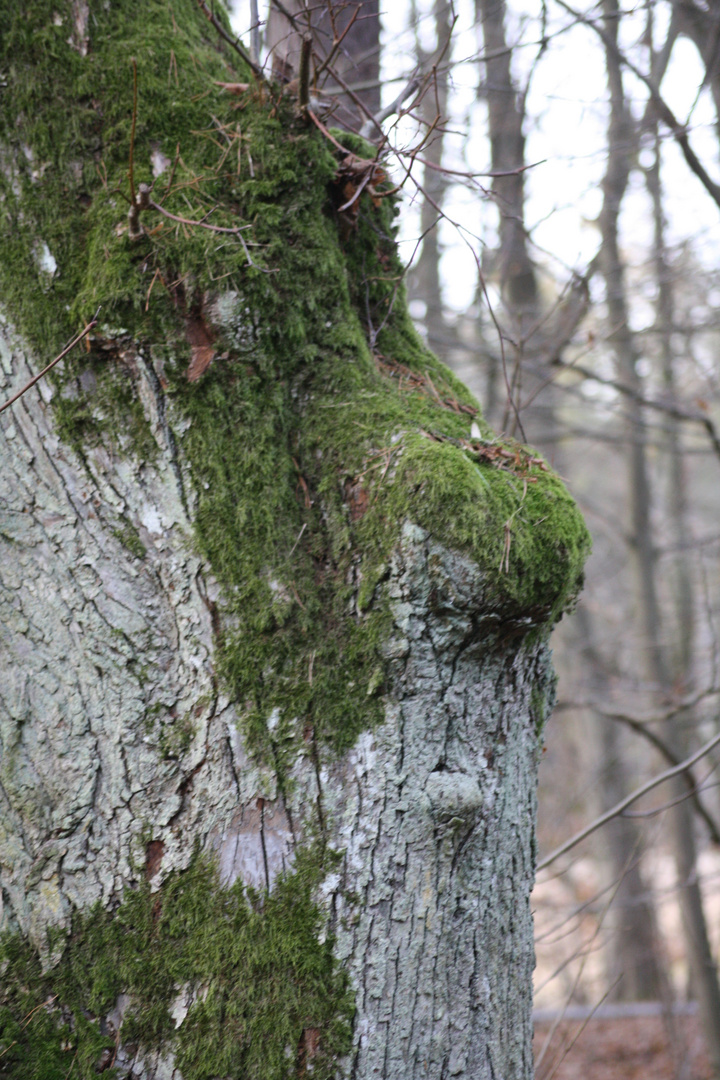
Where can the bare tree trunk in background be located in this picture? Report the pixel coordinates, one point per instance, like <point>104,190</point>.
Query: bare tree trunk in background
<point>433,108</point>
<point>506,116</point>
<point>620,143</point>
<point>534,332</point>
<point>356,60</point>
<point>633,972</point>
<point>513,268</point>
<point>677,665</point>
<point>701,24</point>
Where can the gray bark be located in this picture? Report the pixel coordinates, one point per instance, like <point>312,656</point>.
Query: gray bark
<point>434,811</point>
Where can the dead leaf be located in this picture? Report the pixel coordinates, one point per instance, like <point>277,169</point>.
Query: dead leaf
<point>202,357</point>
<point>233,87</point>
<point>356,499</point>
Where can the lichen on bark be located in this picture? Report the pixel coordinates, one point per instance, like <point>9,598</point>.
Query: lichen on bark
<point>244,567</point>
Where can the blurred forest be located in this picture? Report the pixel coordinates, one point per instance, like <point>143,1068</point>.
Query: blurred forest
<point>561,229</point>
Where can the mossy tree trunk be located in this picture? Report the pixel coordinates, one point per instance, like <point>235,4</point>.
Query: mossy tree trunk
<point>274,629</point>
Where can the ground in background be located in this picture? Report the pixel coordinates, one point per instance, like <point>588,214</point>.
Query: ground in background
<point>631,1048</point>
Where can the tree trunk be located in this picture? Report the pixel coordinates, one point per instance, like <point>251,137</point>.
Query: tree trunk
<point>534,335</point>
<point>347,35</point>
<point>676,664</point>
<point>274,661</point>
<point>633,968</point>
<point>658,669</point>
<point>433,108</point>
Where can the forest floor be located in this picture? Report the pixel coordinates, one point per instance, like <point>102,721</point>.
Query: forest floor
<point>627,1048</point>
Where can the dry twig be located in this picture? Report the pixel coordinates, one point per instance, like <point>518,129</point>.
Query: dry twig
<point>66,350</point>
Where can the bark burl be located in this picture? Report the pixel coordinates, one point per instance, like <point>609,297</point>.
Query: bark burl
<point>274,621</point>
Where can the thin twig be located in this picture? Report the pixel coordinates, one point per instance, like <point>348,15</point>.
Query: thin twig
<point>199,224</point>
<point>693,788</point>
<point>26,1021</point>
<point>624,803</point>
<point>337,43</point>
<point>299,536</point>
<point>234,43</point>
<point>394,107</point>
<point>670,408</point>
<point>66,350</point>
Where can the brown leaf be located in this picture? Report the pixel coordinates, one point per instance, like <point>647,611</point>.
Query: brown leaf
<point>357,500</point>
<point>233,87</point>
<point>307,1049</point>
<point>202,357</point>
<point>198,333</point>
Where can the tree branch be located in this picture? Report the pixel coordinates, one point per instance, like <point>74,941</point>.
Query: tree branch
<point>234,43</point>
<point>616,810</point>
<point>665,113</point>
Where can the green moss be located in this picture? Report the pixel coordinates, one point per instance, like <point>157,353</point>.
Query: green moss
<point>306,450</point>
<point>543,694</point>
<point>129,537</point>
<point>252,964</point>
<point>176,737</point>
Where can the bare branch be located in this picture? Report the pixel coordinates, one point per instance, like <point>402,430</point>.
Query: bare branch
<point>665,113</point>
<point>367,129</point>
<point>616,810</point>
<point>234,43</point>
<point>670,408</point>
<point>131,177</point>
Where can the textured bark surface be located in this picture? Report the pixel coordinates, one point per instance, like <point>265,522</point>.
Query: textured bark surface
<point>273,667</point>
<point>94,642</point>
<point>434,811</point>
<point>438,825</point>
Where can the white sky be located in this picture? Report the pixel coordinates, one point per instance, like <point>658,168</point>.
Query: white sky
<point>566,109</point>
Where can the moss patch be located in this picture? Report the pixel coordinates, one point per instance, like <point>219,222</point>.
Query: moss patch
<point>307,443</point>
<point>250,967</point>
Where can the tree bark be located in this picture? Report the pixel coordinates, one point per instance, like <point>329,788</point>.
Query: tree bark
<point>274,662</point>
